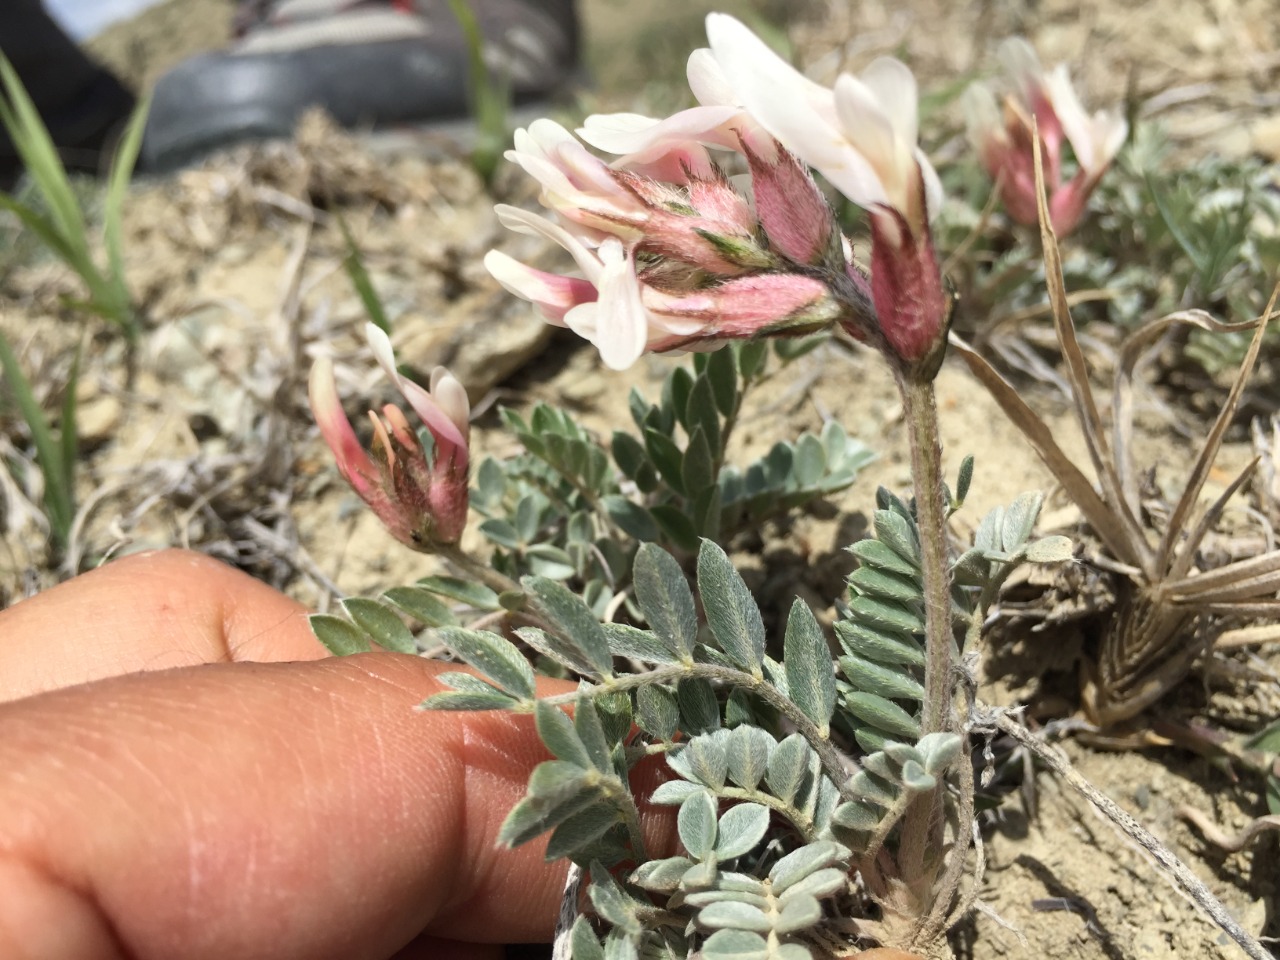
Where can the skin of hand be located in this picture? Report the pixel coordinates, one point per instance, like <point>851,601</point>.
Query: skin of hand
<point>185,773</point>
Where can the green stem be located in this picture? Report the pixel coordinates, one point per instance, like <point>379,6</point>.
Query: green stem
<point>931,517</point>
<point>491,578</point>
<point>922,829</point>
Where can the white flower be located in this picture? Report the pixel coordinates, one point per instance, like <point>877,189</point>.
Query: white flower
<point>1053,100</point>
<point>861,135</point>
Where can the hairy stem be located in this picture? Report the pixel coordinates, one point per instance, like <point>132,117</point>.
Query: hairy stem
<point>931,517</point>
<point>833,760</point>
<point>491,578</point>
<point>922,828</point>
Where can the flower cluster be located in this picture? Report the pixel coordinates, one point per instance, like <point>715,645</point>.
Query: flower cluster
<point>672,256</point>
<point>420,494</point>
<point>1005,141</point>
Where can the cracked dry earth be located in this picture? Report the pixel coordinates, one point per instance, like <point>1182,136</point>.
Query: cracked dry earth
<point>238,263</point>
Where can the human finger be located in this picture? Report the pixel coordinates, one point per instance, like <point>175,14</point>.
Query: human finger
<point>265,810</point>
<point>150,611</point>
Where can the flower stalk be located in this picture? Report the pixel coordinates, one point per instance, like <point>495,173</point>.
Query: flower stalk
<point>921,412</point>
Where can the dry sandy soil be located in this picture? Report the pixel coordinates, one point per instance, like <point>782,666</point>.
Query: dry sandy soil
<point>238,263</point>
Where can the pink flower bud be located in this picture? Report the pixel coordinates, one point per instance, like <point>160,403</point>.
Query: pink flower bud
<point>794,213</point>
<point>420,496</point>
<point>911,306</point>
<point>1004,139</point>
<point>759,305</point>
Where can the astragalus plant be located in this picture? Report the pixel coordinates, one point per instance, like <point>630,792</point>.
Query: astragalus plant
<point>825,800</point>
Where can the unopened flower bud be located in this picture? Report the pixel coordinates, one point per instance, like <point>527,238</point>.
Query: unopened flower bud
<point>420,495</point>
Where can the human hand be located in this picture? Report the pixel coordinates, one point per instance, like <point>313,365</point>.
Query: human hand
<point>173,788</point>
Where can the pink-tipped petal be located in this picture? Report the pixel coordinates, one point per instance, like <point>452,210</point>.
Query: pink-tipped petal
<point>451,442</point>
<point>552,294</point>
<point>353,463</point>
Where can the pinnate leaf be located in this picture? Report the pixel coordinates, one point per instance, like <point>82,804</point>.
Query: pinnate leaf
<point>731,611</point>
<point>657,711</point>
<point>696,823</point>
<point>338,636</point>
<point>735,945</point>
<point>735,916</point>
<point>788,764</point>
<point>666,600</point>
<point>573,621</point>
<point>811,678</point>
<point>495,657</point>
<point>741,829</point>
<point>558,733</point>
<point>385,628</point>
<point>464,591</point>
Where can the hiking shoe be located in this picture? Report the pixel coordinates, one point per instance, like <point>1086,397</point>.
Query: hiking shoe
<point>82,105</point>
<point>369,64</point>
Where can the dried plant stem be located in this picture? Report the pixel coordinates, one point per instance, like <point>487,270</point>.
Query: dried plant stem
<point>1186,881</point>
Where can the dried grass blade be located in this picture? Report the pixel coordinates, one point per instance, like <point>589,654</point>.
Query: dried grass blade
<point>1182,509</point>
<point>1132,351</point>
<point>1248,636</point>
<point>1096,511</point>
<point>1232,843</point>
<point>1078,371</point>
<point>1261,587</point>
<point>1182,565</point>
<point>1225,577</point>
<point>1259,608</point>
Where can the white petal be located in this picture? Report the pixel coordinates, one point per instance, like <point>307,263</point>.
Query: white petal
<point>1071,114</point>
<point>893,86</point>
<point>703,124</point>
<point>865,124</point>
<point>523,281</point>
<point>791,107</point>
<point>544,170</point>
<point>549,134</point>
<point>934,195</point>
<point>522,221</point>
<point>616,132</point>
<point>380,344</point>
<point>1111,130</point>
<point>452,398</point>
<point>622,324</point>
<point>1021,65</point>
<point>982,118</point>
<point>707,80</point>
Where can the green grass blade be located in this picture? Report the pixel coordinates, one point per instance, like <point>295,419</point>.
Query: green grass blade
<point>354,264</point>
<point>58,491</point>
<point>38,153</point>
<point>68,430</point>
<point>41,226</point>
<point>122,167</point>
<point>490,96</point>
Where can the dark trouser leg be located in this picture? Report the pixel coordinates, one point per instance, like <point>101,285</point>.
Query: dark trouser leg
<point>80,102</point>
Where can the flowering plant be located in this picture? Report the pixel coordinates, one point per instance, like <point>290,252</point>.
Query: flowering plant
<point>825,801</point>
